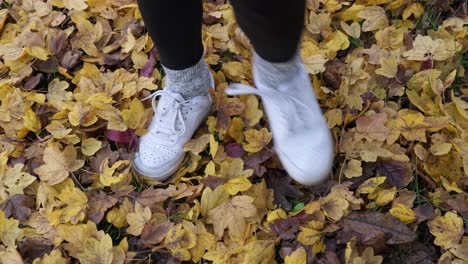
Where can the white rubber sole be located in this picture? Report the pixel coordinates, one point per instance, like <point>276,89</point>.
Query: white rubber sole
<point>155,174</point>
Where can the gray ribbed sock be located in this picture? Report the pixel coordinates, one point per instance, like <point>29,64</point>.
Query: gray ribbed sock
<point>273,73</point>
<point>190,82</point>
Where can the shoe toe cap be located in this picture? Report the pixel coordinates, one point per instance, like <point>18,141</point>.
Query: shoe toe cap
<point>308,164</point>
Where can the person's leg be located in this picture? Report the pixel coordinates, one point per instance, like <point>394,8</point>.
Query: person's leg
<point>301,136</point>
<point>274,27</point>
<point>175,27</point>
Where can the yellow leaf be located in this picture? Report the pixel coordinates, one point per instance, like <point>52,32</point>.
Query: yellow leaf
<point>440,149</point>
<point>318,23</point>
<point>57,129</point>
<point>54,257</point>
<point>109,176</point>
<point>390,38</point>
<point>90,146</point>
<point>389,67</point>
<point>75,4</point>
<point>415,9</point>
<point>252,114</point>
<point>179,240</point>
<point>235,70</point>
<point>82,115</point>
<point>370,185</point>
<point>257,139</point>
<point>367,257</point>
<point>213,145</point>
<point>337,41</point>
<point>197,145</point>
<point>334,205</point>
<point>375,18</point>
<point>233,216</point>
<point>239,184</point>
<point>58,164</point>
<point>404,213</point>
<point>114,118</point>
<point>12,180</point>
<point>353,30</point>
<point>315,63</point>
<point>9,230</point>
<point>411,125</point>
<point>138,219</point>
<point>351,13</point>
<point>233,168</point>
<point>118,216</point>
<point>451,187</point>
<point>11,255</point>
<point>31,121</point>
<point>136,117</point>
<point>309,236</point>
<point>74,206</point>
<point>236,129</point>
<point>212,198</point>
<point>299,256</point>
<point>38,52</point>
<point>353,169</point>
<point>334,117</point>
<point>96,251</point>
<point>447,229</point>
<point>461,250</point>
<point>385,196</point>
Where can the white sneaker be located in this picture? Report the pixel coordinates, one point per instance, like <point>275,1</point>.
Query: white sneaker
<point>175,120</point>
<point>302,139</point>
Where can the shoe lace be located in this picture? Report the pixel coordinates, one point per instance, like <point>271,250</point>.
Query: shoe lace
<point>167,124</point>
<point>291,113</point>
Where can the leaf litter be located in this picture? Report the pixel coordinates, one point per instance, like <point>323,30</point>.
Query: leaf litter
<point>390,77</point>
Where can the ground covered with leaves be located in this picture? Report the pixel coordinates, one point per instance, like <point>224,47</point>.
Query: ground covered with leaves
<point>390,76</point>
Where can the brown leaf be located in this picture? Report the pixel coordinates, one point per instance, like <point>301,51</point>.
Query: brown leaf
<point>19,206</point>
<point>281,185</point>
<point>151,196</point>
<point>367,226</point>
<point>213,181</point>
<point>424,212</point>
<point>254,162</point>
<point>99,203</point>
<point>155,233</point>
<point>398,173</point>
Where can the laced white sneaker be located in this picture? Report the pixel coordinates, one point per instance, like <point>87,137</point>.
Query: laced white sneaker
<point>175,120</point>
<point>302,139</point>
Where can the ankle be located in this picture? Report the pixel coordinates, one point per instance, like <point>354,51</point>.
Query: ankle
<point>190,82</point>
<point>273,73</point>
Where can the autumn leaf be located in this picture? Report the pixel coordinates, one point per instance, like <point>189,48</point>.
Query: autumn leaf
<point>372,225</point>
<point>58,164</point>
<point>232,215</point>
<point>138,219</point>
<point>257,139</point>
<point>389,77</point>
<point>447,229</point>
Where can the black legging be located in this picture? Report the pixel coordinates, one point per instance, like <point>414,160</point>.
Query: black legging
<point>273,26</point>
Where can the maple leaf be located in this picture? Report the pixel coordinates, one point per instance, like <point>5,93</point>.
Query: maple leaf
<point>12,180</point>
<point>370,227</point>
<point>282,189</point>
<point>9,230</point>
<point>58,164</point>
<point>138,219</point>
<point>232,215</point>
<point>447,229</point>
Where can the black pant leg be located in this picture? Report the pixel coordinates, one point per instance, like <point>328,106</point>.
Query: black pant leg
<point>175,27</point>
<point>273,26</point>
